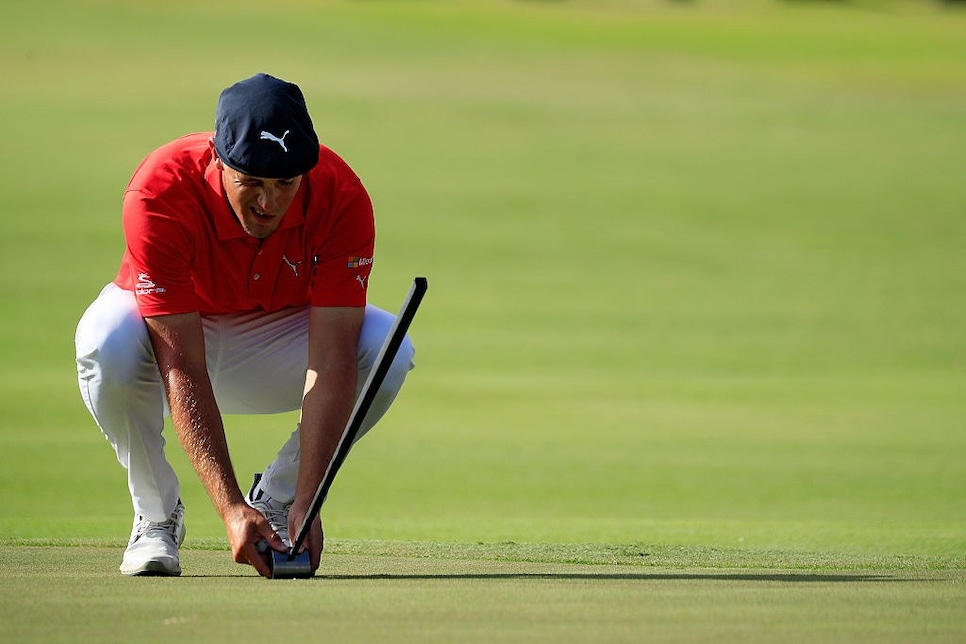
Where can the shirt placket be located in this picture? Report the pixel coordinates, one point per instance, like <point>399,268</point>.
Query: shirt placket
<point>261,275</point>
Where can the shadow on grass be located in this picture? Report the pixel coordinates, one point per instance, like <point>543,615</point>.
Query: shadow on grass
<point>640,577</point>
<point>717,576</point>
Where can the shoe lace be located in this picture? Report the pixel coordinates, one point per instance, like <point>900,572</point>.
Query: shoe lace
<point>169,527</point>
<point>276,513</point>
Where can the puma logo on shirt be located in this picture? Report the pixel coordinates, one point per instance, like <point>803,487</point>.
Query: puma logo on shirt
<point>293,266</point>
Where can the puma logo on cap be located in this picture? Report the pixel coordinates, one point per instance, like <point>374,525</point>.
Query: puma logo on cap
<point>268,136</point>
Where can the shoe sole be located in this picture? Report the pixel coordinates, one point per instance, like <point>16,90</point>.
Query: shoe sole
<point>152,569</point>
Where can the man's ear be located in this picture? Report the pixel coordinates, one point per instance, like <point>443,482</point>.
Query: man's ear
<point>211,146</point>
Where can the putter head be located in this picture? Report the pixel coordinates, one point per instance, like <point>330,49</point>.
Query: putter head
<point>286,566</point>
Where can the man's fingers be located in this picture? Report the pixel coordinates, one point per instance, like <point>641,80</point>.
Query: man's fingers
<point>259,561</point>
<point>313,541</point>
<point>266,534</point>
<point>265,546</point>
<point>253,540</point>
<point>316,544</point>
<point>294,523</point>
<point>275,542</point>
<point>253,555</point>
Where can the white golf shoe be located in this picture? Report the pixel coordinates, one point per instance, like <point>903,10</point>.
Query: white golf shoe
<point>153,548</point>
<point>276,512</point>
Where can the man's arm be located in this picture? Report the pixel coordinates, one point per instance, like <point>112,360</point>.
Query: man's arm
<point>179,347</point>
<point>327,402</point>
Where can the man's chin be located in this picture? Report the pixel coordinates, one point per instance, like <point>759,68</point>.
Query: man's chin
<point>260,230</point>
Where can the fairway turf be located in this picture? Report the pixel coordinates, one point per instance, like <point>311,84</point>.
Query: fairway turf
<point>692,364</point>
<point>426,594</point>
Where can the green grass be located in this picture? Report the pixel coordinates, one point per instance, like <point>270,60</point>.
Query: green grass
<point>691,363</point>
<point>430,592</point>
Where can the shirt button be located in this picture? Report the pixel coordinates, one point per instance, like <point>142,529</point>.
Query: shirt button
<point>256,276</point>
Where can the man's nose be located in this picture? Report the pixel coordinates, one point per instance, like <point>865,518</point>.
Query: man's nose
<point>267,199</point>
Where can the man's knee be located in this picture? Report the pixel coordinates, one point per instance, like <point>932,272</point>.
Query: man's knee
<point>375,329</point>
<point>112,340</point>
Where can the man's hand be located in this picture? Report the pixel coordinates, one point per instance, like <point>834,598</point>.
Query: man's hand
<point>246,528</point>
<point>314,540</point>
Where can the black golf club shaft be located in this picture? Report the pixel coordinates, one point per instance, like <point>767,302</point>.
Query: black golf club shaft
<point>378,373</point>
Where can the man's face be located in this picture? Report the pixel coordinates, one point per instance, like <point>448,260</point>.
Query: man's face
<point>259,204</point>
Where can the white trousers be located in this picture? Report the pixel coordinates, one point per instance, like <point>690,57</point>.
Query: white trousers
<point>256,362</point>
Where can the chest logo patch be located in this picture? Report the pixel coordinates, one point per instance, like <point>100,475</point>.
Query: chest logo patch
<point>293,265</point>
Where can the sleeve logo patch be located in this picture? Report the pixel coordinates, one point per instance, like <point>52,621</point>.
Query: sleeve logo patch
<point>357,262</point>
<point>145,286</point>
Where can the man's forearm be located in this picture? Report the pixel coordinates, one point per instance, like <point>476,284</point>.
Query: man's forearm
<point>329,395</point>
<point>202,434</point>
<point>179,348</point>
<point>326,405</point>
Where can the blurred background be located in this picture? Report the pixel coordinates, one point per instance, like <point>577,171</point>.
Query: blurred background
<point>696,268</point>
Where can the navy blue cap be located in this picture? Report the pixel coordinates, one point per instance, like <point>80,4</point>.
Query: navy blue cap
<point>263,129</point>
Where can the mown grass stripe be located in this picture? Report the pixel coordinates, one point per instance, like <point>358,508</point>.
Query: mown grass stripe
<point>638,554</point>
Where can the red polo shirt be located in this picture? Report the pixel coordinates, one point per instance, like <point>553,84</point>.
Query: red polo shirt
<point>186,250</point>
